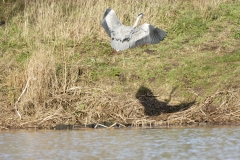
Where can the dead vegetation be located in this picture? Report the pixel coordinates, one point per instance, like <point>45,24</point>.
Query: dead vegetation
<point>220,108</point>
<point>84,106</point>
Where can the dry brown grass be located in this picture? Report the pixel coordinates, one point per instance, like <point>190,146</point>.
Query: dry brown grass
<point>59,21</point>
<point>53,30</point>
<point>220,108</point>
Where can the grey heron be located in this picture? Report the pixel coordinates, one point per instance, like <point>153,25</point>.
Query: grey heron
<point>124,37</point>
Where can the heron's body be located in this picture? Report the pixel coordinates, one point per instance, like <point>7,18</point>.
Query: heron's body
<point>124,37</point>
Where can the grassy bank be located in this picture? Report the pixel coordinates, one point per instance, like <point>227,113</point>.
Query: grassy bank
<point>57,65</point>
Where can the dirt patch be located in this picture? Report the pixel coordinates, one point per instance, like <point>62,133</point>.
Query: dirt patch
<point>209,47</point>
<point>151,52</point>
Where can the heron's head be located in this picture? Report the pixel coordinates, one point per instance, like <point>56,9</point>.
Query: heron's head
<point>140,14</point>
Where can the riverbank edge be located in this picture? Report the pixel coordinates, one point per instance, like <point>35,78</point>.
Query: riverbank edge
<point>79,127</point>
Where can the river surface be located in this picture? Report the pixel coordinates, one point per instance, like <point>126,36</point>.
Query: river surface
<point>162,143</point>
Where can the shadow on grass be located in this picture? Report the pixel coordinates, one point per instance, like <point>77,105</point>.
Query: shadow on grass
<point>154,107</point>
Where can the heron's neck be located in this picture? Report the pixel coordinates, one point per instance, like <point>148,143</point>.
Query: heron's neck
<point>136,22</point>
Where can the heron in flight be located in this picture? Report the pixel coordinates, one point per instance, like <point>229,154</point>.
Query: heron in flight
<point>124,37</point>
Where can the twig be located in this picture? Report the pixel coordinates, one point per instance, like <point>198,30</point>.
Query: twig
<point>202,112</point>
<point>116,124</point>
<point>3,128</point>
<point>222,104</point>
<point>112,125</point>
<point>191,90</point>
<point>49,117</point>
<point>124,120</point>
<point>97,124</point>
<point>232,113</point>
<point>121,124</point>
<point>29,122</point>
<point>18,113</point>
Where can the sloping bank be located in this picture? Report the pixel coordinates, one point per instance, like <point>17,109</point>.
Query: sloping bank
<point>106,110</point>
<point>57,66</point>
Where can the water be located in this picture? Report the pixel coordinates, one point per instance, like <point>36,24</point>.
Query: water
<point>169,143</point>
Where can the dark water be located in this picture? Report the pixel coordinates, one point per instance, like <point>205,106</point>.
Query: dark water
<point>169,143</point>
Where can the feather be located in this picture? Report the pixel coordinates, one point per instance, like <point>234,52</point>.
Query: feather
<point>124,37</point>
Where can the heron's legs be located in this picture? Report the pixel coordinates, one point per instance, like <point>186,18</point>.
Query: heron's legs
<point>123,58</point>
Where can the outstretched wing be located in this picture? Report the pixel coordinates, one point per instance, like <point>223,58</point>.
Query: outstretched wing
<point>145,34</point>
<point>110,21</point>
